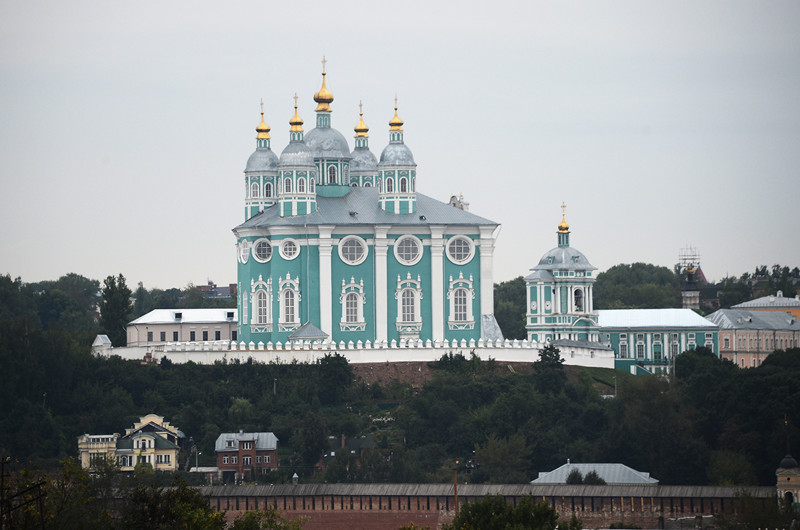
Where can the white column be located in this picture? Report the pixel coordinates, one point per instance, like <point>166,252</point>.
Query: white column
<point>381,312</point>
<point>437,281</point>
<point>325,296</point>
<point>487,269</point>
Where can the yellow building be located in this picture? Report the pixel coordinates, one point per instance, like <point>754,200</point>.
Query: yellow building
<point>788,483</point>
<point>151,440</point>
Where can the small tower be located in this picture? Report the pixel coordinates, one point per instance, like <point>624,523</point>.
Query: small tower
<point>363,166</point>
<point>296,183</point>
<point>690,289</point>
<point>260,173</point>
<point>563,228</point>
<point>397,172</point>
<point>788,474</point>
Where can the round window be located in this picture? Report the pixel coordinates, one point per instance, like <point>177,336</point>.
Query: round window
<point>460,249</point>
<point>244,250</point>
<point>408,250</point>
<point>289,249</point>
<point>353,250</point>
<point>262,250</point>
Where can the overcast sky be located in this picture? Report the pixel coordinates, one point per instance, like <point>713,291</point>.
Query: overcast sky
<point>125,126</point>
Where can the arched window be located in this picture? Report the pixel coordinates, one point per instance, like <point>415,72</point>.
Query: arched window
<point>287,185</point>
<point>311,183</point>
<point>409,313</point>
<point>261,307</point>
<point>268,189</point>
<point>460,305</point>
<point>351,308</point>
<point>389,185</point>
<point>288,306</point>
<point>332,175</point>
<point>367,185</point>
<point>578,300</point>
<point>301,185</point>
<point>403,185</point>
<point>254,189</point>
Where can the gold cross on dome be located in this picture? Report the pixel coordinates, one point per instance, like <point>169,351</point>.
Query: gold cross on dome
<point>262,106</point>
<point>323,63</point>
<point>360,108</point>
<point>295,100</point>
<point>563,209</point>
<point>395,101</point>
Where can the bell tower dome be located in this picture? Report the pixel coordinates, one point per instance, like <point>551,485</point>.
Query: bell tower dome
<point>397,172</point>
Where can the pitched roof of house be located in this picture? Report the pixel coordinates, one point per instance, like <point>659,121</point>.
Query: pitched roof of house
<point>187,316</point>
<point>745,319</point>
<point>651,318</point>
<point>773,301</point>
<point>263,440</point>
<point>611,473</point>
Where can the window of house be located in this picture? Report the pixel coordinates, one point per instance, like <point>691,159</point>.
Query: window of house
<point>217,335</point>
<point>175,336</point>
<point>192,336</point>
<point>205,335</point>
<point>460,304</point>
<point>389,185</point>
<point>351,307</point>
<point>460,249</point>
<point>289,249</point>
<point>234,335</point>
<point>244,250</point>
<point>149,336</point>
<point>623,350</point>
<point>233,459</point>
<point>262,250</point>
<point>261,307</point>
<point>225,460</point>
<point>640,351</point>
<point>408,250</point>
<point>247,460</point>
<point>403,185</point>
<point>288,306</point>
<point>163,336</point>
<point>578,300</point>
<point>409,305</point>
<point>266,459</point>
<point>353,250</point>
<point>726,342</point>
<point>228,443</point>
<point>258,459</point>
<point>247,445</point>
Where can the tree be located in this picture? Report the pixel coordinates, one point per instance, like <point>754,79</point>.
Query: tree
<point>165,508</point>
<point>550,377</point>
<point>509,307</point>
<point>506,460</point>
<point>575,477</point>
<point>265,520</point>
<point>493,512</point>
<point>637,286</point>
<point>115,309</point>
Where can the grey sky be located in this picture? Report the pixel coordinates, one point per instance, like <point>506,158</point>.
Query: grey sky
<point>126,126</point>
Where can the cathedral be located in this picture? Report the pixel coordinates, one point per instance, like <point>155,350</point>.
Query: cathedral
<point>339,244</point>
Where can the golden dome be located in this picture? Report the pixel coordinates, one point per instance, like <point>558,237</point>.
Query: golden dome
<point>262,129</point>
<point>324,97</point>
<point>296,122</point>
<point>361,129</point>
<point>563,226</point>
<point>395,124</point>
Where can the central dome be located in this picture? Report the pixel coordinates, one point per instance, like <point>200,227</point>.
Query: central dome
<point>327,143</point>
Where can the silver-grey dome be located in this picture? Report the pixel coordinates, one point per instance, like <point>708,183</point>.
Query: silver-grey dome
<point>297,154</point>
<point>363,160</point>
<point>262,159</point>
<point>397,154</point>
<point>564,258</point>
<point>327,143</point>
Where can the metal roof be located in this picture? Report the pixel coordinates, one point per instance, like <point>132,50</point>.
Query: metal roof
<point>773,301</point>
<point>611,473</point>
<point>308,331</point>
<point>481,490</point>
<point>744,319</point>
<point>168,316</point>
<point>360,207</point>
<point>651,318</point>
<point>263,440</point>
<point>564,258</point>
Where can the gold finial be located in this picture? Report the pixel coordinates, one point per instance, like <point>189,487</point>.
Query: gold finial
<point>296,122</point>
<point>563,226</point>
<point>324,97</point>
<point>262,129</point>
<point>361,129</point>
<point>395,124</point>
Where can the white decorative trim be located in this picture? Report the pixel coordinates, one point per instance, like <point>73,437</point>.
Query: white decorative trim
<point>289,285</point>
<point>356,289</point>
<point>364,249</point>
<point>464,284</point>
<point>284,255</point>
<point>257,287</point>
<point>244,251</point>
<point>470,244</point>
<point>420,249</point>
<point>409,329</point>
<point>255,245</point>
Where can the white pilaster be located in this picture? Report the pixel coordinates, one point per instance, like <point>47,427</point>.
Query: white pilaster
<point>437,281</point>
<point>487,269</point>
<point>325,288</point>
<point>381,286</point>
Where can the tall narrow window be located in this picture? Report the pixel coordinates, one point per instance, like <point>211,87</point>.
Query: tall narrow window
<point>352,301</point>
<point>461,294</point>
<point>301,185</point>
<point>460,304</point>
<point>268,189</point>
<point>287,185</point>
<point>578,300</point>
<point>409,306</point>
<point>288,306</point>
<point>403,185</point>
<point>389,185</point>
<point>254,189</point>
<point>261,307</point>
<point>332,175</point>
<point>351,308</point>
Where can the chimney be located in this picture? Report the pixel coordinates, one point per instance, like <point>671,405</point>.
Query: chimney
<point>342,440</point>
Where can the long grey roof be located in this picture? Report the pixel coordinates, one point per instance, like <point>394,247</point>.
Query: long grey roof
<point>776,301</point>
<point>611,473</point>
<point>263,440</point>
<point>168,316</point>
<point>481,490</point>
<point>360,207</point>
<point>764,320</point>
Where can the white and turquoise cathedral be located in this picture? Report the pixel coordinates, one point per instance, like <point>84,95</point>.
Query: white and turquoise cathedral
<point>337,243</point>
